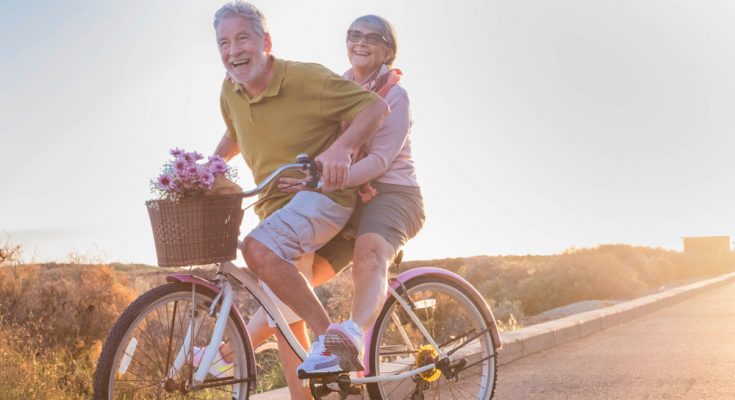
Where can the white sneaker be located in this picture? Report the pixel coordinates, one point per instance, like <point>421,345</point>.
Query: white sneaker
<point>218,368</point>
<point>346,341</point>
<point>318,361</point>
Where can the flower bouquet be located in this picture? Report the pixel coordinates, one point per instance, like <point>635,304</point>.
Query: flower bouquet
<point>193,224</point>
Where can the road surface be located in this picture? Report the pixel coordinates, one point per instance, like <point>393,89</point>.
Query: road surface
<point>686,351</point>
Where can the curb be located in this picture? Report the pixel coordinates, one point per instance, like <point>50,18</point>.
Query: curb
<point>543,336</point>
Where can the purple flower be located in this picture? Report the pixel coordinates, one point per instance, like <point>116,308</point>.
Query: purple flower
<point>215,158</point>
<point>187,183</point>
<point>166,182</point>
<point>192,156</point>
<point>207,179</point>
<point>217,166</point>
<point>179,164</point>
<point>184,176</point>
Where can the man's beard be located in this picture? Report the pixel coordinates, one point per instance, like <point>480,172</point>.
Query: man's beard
<point>253,73</point>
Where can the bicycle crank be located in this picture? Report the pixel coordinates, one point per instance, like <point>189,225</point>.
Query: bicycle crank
<point>327,384</point>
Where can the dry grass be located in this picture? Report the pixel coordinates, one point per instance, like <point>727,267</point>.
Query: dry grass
<point>517,287</point>
<point>54,317</point>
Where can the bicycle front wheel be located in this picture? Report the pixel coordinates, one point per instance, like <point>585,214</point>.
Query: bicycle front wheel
<point>155,346</point>
<point>456,324</point>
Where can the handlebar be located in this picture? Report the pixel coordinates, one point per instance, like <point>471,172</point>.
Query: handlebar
<point>303,162</point>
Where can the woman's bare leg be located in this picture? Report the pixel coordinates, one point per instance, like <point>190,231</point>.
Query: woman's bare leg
<point>373,255</point>
<point>259,329</point>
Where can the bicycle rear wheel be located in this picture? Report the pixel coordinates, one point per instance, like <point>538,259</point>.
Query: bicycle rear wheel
<point>455,323</point>
<point>138,360</point>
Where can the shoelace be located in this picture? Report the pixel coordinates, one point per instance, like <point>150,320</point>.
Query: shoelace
<point>318,348</point>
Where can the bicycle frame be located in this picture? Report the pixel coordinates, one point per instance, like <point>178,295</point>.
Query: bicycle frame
<point>230,275</point>
<point>224,290</point>
<point>251,283</point>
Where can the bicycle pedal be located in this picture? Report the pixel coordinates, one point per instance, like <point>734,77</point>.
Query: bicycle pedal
<point>319,390</point>
<point>339,383</point>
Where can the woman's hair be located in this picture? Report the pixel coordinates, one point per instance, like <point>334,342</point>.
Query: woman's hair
<point>384,28</point>
<point>242,9</point>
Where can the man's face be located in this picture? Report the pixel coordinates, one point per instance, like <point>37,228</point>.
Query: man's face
<point>243,50</point>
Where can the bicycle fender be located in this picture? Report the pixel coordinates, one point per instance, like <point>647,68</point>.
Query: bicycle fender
<point>432,271</point>
<point>195,280</point>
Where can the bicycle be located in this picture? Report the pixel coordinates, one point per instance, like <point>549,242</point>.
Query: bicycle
<point>435,337</point>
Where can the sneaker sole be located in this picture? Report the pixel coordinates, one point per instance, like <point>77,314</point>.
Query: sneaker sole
<point>339,343</point>
<point>306,375</point>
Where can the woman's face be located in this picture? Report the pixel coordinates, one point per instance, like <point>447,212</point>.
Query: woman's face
<point>366,53</point>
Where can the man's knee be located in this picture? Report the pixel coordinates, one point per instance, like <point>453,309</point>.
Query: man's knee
<point>254,252</point>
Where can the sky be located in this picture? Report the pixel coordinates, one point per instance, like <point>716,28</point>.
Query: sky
<point>538,126</point>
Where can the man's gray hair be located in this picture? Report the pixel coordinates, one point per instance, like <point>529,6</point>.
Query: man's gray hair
<point>384,28</point>
<point>242,9</point>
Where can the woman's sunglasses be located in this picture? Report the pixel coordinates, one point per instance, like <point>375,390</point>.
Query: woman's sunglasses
<point>371,38</point>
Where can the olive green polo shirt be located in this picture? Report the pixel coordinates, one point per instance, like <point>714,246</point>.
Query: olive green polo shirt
<point>301,111</point>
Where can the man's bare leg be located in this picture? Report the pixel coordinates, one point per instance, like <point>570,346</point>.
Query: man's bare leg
<point>287,283</point>
<point>290,361</point>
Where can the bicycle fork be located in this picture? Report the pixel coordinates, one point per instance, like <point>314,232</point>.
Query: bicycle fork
<point>212,349</point>
<point>409,311</point>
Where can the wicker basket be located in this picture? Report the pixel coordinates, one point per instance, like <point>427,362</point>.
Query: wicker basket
<point>196,230</point>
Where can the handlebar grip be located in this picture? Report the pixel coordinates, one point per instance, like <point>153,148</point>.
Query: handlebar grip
<point>314,167</point>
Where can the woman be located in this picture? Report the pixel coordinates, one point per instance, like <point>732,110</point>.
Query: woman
<point>389,212</point>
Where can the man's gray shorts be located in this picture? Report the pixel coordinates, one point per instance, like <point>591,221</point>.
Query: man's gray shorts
<point>303,225</point>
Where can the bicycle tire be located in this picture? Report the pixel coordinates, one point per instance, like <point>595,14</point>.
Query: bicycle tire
<point>145,339</point>
<point>454,320</point>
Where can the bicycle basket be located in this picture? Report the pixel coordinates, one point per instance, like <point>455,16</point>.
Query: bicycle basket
<point>195,230</point>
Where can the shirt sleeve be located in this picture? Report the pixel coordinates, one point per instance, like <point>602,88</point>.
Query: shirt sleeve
<point>341,99</point>
<point>387,142</point>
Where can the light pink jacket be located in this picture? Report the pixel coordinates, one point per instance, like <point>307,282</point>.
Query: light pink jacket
<point>388,158</point>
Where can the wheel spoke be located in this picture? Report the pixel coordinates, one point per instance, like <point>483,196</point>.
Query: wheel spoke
<point>158,321</point>
<point>455,323</point>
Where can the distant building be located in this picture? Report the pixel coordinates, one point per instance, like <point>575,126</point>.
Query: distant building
<point>709,245</point>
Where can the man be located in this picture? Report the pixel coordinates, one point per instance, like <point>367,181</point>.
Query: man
<point>274,110</point>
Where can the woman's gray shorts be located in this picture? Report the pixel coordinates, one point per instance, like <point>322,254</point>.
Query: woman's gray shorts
<point>396,214</point>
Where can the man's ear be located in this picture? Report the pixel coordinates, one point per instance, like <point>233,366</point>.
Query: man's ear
<point>268,43</point>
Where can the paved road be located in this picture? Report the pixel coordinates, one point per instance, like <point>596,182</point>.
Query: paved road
<point>686,351</point>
